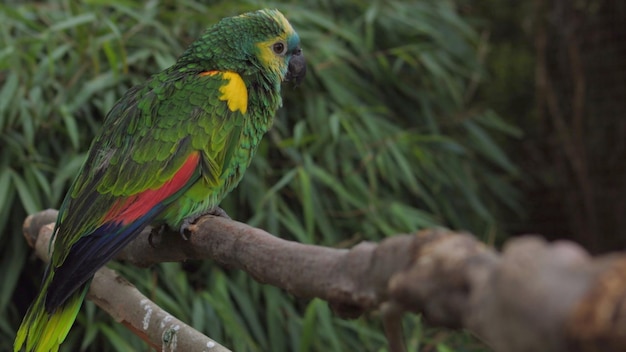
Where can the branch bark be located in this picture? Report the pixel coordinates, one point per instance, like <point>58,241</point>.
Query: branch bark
<point>534,296</point>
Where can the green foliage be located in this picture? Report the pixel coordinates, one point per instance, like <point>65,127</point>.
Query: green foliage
<point>383,137</point>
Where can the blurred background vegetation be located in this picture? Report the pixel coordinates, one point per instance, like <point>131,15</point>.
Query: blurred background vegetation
<point>496,117</point>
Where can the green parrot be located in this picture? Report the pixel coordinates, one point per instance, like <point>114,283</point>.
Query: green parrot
<point>169,151</point>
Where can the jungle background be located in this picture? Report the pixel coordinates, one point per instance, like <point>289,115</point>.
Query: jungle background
<point>495,117</point>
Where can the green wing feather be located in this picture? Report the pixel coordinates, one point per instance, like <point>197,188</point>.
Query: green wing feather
<point>145,140</point>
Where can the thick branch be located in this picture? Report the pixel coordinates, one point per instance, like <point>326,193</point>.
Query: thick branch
<point>534,296</point>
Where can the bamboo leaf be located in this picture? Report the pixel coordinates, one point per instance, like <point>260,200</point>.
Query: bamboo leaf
<point>72,22</point>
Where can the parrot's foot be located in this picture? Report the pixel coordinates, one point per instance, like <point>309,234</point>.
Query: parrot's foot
<point>184,228</point>
<point>154,238</point>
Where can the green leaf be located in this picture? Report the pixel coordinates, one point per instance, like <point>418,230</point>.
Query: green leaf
<point>9,90</point>
<point>118,342</point>
<point>487,146</point>
<point>309,326</point>
<point>307,203</point>
<point>5,183</point>
<point>15,260</point>
<point>30,202</point>
<point>72,22</point>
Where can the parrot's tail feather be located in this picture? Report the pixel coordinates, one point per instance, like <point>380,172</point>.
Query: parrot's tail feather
<point>42,331</point>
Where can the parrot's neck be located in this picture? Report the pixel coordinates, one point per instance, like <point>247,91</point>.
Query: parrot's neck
<point>264,96</point>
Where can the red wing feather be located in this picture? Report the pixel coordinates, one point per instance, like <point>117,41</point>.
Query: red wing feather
<point>129,209</point>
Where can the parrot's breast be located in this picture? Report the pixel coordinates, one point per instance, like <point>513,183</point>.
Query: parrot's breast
<point>207,192</point>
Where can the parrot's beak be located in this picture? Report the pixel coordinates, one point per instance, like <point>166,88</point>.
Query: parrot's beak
<point>297,68</point>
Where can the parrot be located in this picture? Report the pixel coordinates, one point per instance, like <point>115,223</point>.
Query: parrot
<point>168,152</point>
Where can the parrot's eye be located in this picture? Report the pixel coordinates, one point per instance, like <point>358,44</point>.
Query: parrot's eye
<point>279,48</point>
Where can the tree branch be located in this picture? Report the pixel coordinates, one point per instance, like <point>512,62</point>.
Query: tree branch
<point>535,296</point>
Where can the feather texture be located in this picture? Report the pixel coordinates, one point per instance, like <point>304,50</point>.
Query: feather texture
<point>169,149</point>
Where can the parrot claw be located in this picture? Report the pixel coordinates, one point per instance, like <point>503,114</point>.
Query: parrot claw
<point>185,232</point>
<point>217,211</point>
<point>154,238</point>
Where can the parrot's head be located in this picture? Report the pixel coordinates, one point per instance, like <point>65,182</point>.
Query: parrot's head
<point>259,43</point>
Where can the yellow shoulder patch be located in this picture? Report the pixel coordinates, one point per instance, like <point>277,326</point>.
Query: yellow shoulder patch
<point>234,93</point>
